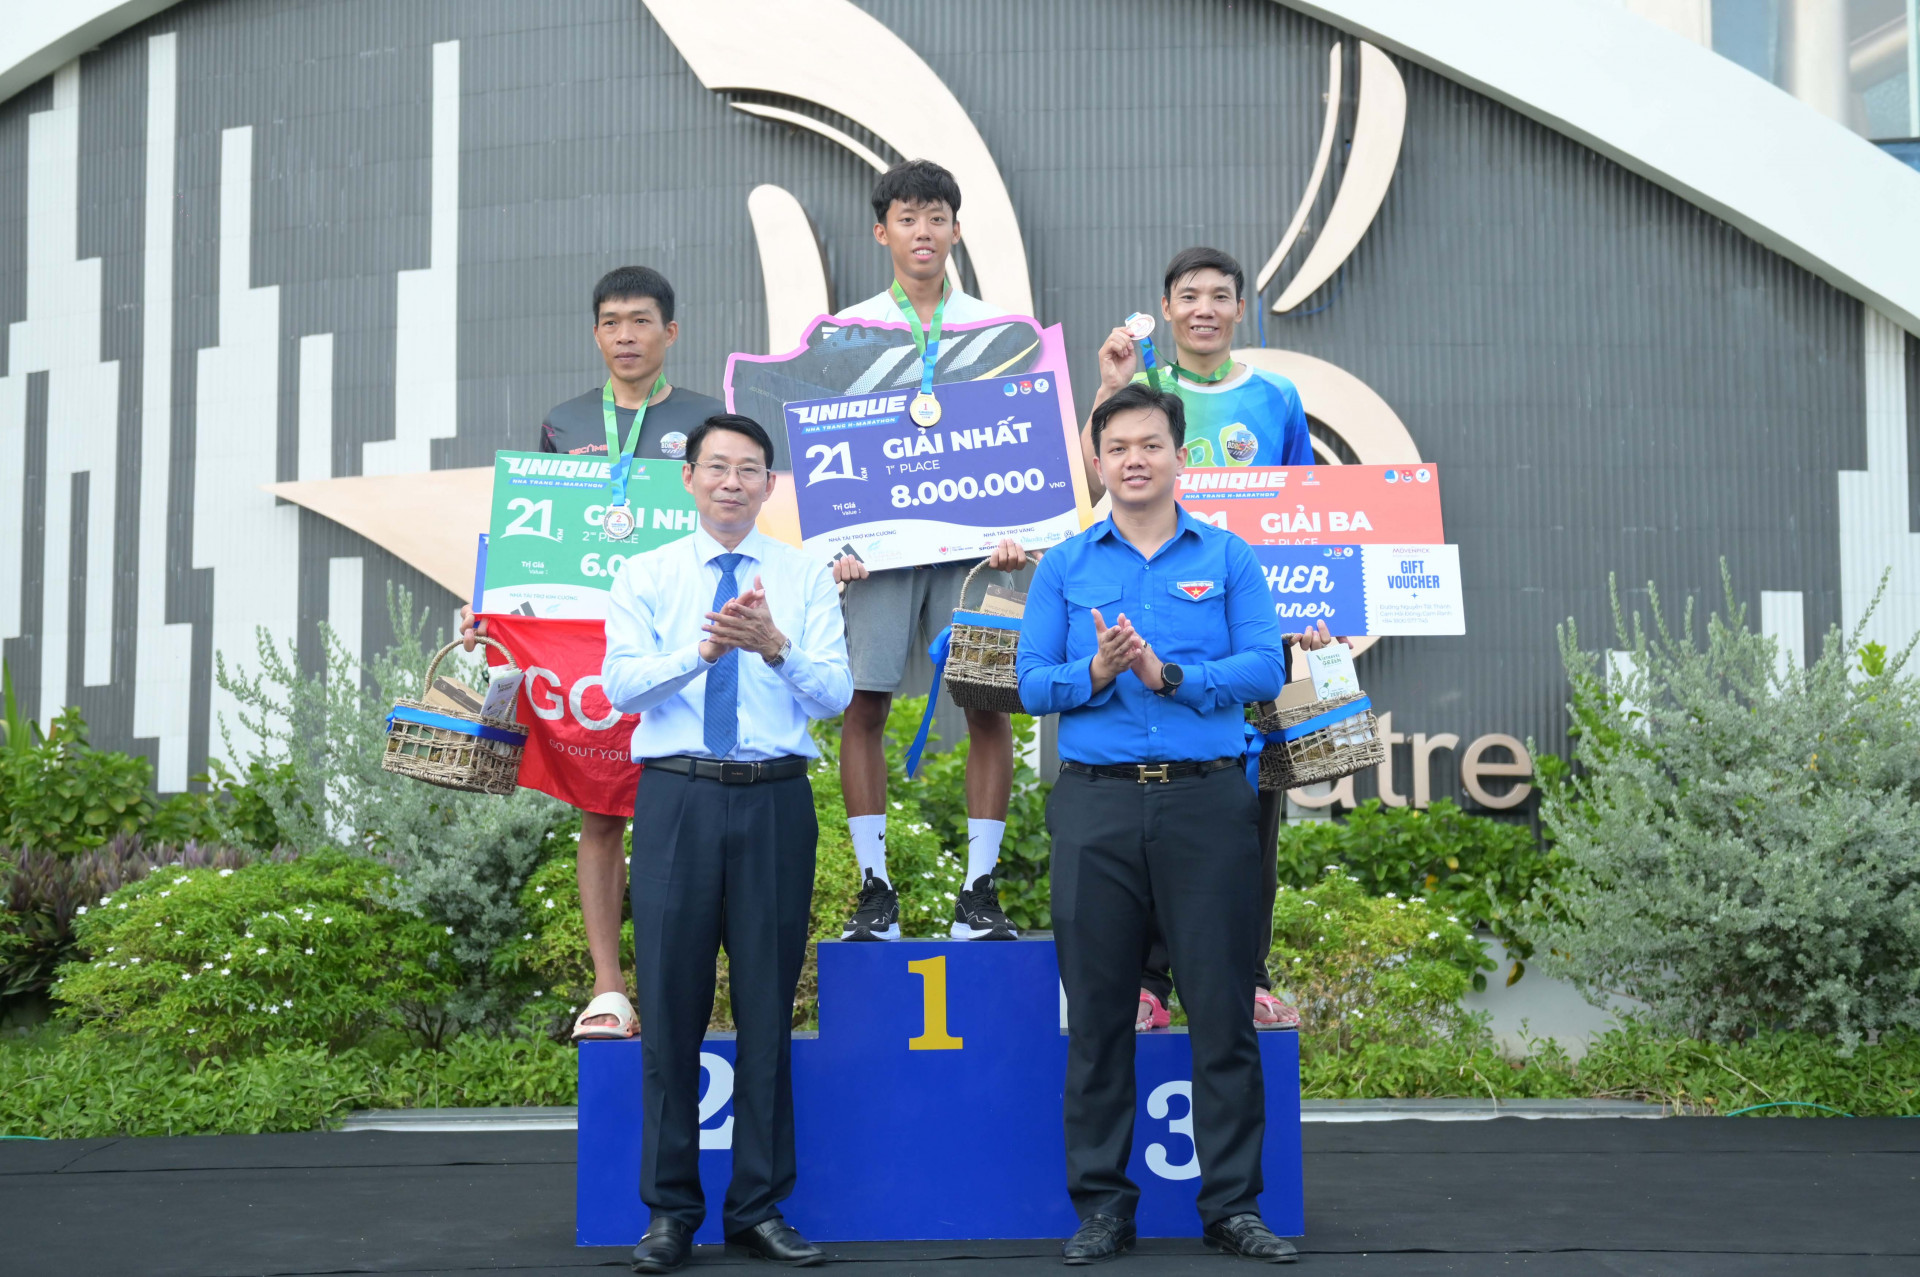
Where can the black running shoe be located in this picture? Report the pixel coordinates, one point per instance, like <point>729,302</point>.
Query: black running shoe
<point>977,914</point>
<point>877,915</point>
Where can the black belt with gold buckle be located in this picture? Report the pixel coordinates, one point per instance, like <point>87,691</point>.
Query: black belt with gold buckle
<point>731,773</point>
<point>1141,773</point>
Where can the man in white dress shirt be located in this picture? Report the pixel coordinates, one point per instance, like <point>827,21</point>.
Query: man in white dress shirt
<point>727,642</point>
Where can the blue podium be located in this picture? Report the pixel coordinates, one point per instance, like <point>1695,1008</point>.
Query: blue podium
<point>927,1107</point>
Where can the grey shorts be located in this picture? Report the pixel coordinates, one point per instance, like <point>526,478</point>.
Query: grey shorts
<point>892,614</point>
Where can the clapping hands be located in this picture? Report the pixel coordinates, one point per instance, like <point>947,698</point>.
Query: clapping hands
<point>745,623</point>
<point>1119,648</point>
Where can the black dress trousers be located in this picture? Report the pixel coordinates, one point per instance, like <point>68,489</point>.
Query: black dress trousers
<point>1183,855</point>
<point>712,860</point>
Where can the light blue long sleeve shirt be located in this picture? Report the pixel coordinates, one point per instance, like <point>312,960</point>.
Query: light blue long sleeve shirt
<point>656,612</point>
<point>1201,601</point>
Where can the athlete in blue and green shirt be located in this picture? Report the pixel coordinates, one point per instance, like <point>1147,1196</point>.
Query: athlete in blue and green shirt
<point>1237,415</point>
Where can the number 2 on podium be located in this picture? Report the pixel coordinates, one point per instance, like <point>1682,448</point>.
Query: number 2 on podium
<point>933,1002</point>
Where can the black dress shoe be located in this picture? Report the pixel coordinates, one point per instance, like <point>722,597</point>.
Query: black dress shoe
<point>1248,1237</point>
<point>778,1241</point>
<point>1100,1238</point>
<point>665,1247</point>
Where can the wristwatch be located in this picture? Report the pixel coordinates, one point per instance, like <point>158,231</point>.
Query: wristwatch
<point>1171,676</point>
<point>779,658</point>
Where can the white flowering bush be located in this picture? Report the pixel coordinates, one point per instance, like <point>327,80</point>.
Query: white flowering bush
<point>1366,969</point>
<point>227,961</point>
<point>1742,842</point>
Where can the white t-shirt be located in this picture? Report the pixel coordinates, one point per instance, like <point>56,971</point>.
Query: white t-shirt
<point>962,308</point>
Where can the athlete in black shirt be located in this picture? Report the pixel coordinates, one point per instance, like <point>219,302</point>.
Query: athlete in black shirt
<point>633,325</point>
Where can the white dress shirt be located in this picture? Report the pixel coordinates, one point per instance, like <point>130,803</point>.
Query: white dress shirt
<point>656,612</point>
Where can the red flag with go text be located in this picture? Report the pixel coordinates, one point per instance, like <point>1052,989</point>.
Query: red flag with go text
<point>578,746</point>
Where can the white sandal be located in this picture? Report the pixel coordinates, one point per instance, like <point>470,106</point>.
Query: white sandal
<point>613,1004</point>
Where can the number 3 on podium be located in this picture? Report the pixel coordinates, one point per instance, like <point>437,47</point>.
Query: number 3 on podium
<point>933,1002</point>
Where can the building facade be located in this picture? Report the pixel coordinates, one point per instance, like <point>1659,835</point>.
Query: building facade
<point>254,242</point>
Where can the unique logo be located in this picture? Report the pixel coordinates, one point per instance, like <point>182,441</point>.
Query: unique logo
<point>1240,444</point>
<point>1194,589</point>
<point>1040,384</point>
<point>1423,474</point>
<point>673,444</point>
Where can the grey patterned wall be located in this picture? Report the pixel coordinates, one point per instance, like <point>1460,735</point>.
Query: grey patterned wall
<point>1610,379</point>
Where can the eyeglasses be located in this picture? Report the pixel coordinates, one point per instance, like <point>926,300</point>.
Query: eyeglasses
<point>716,472</point>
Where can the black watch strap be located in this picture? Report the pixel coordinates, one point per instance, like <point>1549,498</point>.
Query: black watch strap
<point>1171,676</point>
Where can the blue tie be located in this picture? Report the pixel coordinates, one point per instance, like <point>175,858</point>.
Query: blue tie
<point>723,680</point>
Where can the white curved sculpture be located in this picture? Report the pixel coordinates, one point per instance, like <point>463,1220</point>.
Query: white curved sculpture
<point>791,269</point>
<point>1380,123</point>
<point>833,54</point>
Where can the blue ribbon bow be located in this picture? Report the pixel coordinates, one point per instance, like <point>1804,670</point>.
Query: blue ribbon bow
<point>1257,742</point>
<point>937,652</point>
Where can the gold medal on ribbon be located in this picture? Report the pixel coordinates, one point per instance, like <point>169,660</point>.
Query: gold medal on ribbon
<point>925,410</point>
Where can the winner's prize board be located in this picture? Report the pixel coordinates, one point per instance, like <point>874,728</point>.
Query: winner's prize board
<point>871,481</point>
<point>866,477</point>
<point>548,554</point>
<point>1360,547</point>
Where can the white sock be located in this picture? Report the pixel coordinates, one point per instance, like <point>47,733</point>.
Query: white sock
<point>983,846</point>
<point>870,845</point>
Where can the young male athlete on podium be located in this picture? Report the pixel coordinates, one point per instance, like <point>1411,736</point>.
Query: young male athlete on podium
<point>1148,633</point>
<point>639,411</point>
<point>916,208</point>
<point>1237,415</point>
<point>727,642</point>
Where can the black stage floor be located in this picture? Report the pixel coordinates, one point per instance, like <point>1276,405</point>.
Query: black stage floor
<point>1662,1198</point>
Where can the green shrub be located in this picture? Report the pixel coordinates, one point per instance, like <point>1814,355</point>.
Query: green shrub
<point>1364,969</point>
<point>61,793</point>
<point>82,1086</point>
<point>1475,867</point>
<point>461,859</point>
<point>1742,843</point>
<point>227,961</point>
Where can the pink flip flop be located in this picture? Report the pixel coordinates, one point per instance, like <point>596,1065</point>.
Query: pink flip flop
<point>1151,1015</point>
<point>1270,1012</point>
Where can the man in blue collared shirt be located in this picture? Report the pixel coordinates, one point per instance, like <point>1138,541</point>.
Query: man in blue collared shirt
<point>1148,633</point>
<point>727,642</point>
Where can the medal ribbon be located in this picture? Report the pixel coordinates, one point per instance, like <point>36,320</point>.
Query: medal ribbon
<point>622,458</point>
<point>924,339</point>
<point>1205,379</point>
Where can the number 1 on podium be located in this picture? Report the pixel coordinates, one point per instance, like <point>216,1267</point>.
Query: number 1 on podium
<point>933,1001</point>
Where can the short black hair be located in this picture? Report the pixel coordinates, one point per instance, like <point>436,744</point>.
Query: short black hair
<point>729,421</point>
<point>1188,260</point>
<point>1136,395</point>
<point>624,282</point>
<point>915,182</point>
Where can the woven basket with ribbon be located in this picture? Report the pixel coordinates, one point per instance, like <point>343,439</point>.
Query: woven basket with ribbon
<point>976,656</point>
<point>454,748</point>
<point>980,670</point>
<point>1306,744</point>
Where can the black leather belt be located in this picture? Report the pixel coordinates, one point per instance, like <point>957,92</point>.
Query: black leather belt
<point>1141,773</point>
<point>728,773</point>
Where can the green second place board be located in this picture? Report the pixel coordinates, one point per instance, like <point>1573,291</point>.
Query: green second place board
<point>546,552</point>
